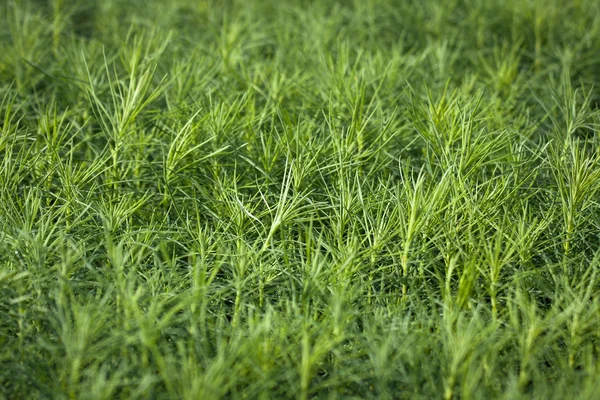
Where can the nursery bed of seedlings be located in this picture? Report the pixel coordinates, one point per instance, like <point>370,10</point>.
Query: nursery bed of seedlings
<point>304,199</point>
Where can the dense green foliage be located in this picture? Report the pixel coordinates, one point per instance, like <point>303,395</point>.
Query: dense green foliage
<point>304,199</point>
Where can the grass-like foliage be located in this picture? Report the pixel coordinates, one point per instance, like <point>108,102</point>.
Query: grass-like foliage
<point>266,199</point>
